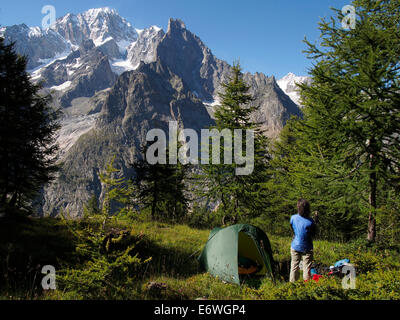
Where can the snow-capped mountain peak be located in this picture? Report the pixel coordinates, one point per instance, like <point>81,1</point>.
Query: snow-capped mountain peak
<point>291,79</point>
<point>289,85</point>
<point>96,11</point>
<point>39,45</point>
<point>100,25</point>
<point>113,35</point>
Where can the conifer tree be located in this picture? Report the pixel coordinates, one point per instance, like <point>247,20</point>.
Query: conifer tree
<point>27,128</point>
<point>304,169</point>
<point>238,195</point>
<point>118,192</point>
<point>161,188</point>
<point>352,106</point>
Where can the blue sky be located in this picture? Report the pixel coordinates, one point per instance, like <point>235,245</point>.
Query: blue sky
<point>265,34</point>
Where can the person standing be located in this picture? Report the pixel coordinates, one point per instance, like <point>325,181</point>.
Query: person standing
<point>304,229</point>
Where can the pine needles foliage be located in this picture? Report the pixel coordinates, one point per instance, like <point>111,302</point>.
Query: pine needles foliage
<point>108,267</point>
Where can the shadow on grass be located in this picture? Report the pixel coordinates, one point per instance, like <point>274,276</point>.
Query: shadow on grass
<point>167,261</point>
<point>26,245</point>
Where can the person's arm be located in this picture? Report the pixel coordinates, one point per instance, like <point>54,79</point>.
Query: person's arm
<point>291,224</point>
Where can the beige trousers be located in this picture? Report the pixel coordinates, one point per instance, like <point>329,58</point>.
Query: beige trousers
<point>295,264</point>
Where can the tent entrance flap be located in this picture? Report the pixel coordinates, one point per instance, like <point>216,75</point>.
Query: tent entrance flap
<point>248,249</point>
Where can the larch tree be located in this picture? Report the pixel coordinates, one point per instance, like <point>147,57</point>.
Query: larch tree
<point>351,108</point>
<point>238,194</point>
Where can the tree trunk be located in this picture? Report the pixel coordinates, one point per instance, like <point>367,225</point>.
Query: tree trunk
<point>4,198</point>
<point>372,202</point>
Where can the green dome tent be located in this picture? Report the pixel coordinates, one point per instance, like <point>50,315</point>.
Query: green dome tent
<point>228,247</point>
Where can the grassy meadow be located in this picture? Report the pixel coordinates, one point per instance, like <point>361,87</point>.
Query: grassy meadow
<point>161,263</point>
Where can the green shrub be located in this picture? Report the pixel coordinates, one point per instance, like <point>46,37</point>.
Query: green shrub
<point>379,285</point>
<point>107,266</point>
<point>325,289</point>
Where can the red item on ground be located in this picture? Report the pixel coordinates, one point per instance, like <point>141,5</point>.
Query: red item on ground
<point>316,277</point>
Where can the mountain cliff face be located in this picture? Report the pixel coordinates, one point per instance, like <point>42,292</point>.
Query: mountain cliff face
<point>145,47</point>
<point>81,74</point>
<point>114,83</point>
<point>275,107</point>
<point>191,60</point>
<point>141,100</point>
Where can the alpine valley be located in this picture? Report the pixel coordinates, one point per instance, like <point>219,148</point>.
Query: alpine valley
<point>114,82</point>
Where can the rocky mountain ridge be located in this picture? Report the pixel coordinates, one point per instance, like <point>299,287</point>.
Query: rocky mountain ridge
<point>114,83</point>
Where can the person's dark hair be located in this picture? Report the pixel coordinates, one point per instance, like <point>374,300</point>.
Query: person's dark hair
<point>303,207</point>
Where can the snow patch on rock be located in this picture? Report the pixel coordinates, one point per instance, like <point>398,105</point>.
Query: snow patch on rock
<point>288,84</point>
<point>72,128</point>
<point>62,86</point>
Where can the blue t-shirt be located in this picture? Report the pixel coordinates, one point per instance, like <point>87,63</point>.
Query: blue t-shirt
<point>303,229</point>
